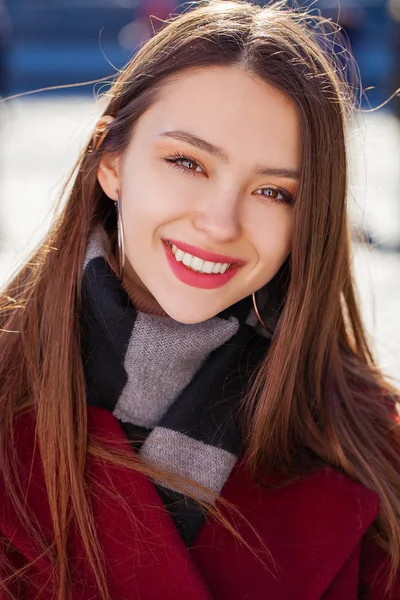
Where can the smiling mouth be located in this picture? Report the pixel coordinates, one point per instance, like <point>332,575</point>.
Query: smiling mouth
<point>197,264</point>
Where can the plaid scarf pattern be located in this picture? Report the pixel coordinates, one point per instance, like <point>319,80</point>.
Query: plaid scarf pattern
<point>175,388</point>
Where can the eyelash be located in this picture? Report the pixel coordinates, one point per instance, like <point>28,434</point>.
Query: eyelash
<point>173,161</point>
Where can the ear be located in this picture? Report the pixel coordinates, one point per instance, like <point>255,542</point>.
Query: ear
<point>107,172</point>
<point>108,175</point>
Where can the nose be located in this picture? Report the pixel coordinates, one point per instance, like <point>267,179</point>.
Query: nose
<point>219,217</point>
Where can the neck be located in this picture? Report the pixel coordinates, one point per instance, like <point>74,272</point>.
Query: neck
<point>140,297</point>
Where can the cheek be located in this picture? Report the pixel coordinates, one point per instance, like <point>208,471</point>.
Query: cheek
<point>272,234</point>
<point>154,197</point>
<point>143,203</point>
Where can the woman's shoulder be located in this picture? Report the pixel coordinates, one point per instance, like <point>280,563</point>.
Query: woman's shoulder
<point>316,527</point>
<point>317,530</point>
<point>24,468</point>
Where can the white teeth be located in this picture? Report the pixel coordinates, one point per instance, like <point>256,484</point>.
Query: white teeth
<point>198,264</point>
<point>207,267</point>
<point>187,259</point>
<point>179,255</point>
<point>217,267</point>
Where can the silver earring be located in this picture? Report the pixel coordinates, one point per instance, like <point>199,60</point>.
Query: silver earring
<point>121,241</point>
<point>259,316</point>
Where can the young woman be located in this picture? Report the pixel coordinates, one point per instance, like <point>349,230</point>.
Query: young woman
<point>189,407</point>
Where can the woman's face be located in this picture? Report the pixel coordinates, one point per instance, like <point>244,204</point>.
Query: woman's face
<point>212,168</point>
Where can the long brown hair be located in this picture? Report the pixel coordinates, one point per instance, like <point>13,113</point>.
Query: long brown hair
<point>317,398</point>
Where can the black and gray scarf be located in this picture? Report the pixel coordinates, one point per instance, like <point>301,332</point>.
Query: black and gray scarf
<point>175,388</point>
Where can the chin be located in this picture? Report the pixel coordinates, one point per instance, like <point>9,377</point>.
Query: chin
<point>188,317</point>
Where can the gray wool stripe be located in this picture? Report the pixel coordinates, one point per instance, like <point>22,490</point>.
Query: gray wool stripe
<point>163,356</point>
<point>98,245</point>
<point>187,457</point>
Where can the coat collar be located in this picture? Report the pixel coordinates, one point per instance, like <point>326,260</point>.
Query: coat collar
<point>312,528</point>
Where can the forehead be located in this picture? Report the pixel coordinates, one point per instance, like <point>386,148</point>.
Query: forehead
<point>231,108</point>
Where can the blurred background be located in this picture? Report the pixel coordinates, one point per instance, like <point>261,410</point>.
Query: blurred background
<point>64,43</point>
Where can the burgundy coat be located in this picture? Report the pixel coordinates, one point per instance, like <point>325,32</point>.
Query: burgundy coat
<point>314,528</point>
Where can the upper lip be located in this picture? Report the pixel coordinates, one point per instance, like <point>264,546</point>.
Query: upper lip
<point>205,254</point>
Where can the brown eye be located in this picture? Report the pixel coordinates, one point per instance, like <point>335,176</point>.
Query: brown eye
<point>189,164</point>
<point>270,193</point>
<point>185,164</point>
<point>276,195</point>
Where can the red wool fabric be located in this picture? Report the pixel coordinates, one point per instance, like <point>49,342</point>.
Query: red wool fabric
<point>315,530</point>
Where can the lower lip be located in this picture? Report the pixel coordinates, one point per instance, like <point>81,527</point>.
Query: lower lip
<point>196,279</point>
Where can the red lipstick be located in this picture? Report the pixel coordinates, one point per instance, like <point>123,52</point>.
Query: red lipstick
<point>206,255</point>
<point>196,278</point>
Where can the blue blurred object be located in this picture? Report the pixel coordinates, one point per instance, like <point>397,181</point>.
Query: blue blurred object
<point>372,34</point>
<point>61,42</point>
<point>5,42</point>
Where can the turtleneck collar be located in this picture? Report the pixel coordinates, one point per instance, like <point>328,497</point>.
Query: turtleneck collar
<point>141,299</point>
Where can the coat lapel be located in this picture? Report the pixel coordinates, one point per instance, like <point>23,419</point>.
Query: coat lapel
<point>144,554</point>
<point>312,529</point>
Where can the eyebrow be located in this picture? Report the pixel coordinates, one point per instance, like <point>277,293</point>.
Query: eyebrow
<point>201,144</point>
